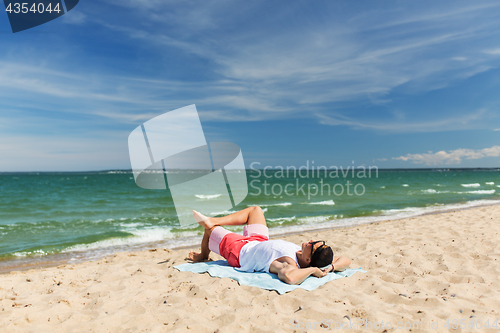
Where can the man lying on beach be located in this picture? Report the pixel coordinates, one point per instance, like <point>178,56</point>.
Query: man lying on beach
<point>254,252</point>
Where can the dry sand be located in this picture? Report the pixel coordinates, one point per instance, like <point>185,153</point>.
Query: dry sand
<point>421,270</point>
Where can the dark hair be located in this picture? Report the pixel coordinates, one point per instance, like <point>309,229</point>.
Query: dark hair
<point>323,256</point>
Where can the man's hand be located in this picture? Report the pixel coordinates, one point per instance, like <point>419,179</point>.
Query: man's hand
<point>320,273</point>
<point>197,257</point>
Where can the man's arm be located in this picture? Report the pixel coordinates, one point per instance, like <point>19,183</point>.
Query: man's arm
<point>205,251</point>
<point>291,274</point>
<point>340,263</point>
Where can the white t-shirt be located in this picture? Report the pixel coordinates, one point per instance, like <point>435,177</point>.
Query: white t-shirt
<point>257,256</point>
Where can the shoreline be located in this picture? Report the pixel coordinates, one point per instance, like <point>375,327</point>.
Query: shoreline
<point>67,258</point>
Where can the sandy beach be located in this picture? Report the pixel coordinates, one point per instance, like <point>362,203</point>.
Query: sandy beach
<point>423,274</point>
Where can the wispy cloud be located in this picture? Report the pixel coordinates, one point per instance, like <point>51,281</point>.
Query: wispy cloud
<point>80,93</point>
<point>307,69</point>
<point>446,124</point>
<point>493,52</point>
<point>450,157</point>
<point>316,67</point>
<point>76,18</point>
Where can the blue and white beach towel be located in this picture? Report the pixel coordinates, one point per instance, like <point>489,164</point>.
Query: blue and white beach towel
<point>221,268</point>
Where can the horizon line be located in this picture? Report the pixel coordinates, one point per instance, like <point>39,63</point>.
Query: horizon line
<point>107,171</point>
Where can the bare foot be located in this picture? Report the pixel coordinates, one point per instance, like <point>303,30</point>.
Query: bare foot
<point>202,220</point>
<point>196,257</point>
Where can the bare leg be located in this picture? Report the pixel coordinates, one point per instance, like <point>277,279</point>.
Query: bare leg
<point>250,215</point>
<point>204,221</point>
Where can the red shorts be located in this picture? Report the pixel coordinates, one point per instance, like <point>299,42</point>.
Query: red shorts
<point>231,245</point>
<point>228,244</point>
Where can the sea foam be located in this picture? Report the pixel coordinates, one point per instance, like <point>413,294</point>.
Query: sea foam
<point>284,204</point>
<point>282,219</point>
<point>480,192</point>
<point>30,253</point>
<point>314,219</point>
<point>329,202</point>
<point>432,191</point>
<point>138,236</point>
<point>207,196</point>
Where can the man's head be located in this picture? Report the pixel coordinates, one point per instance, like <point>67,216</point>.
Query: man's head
<point>321,254</point>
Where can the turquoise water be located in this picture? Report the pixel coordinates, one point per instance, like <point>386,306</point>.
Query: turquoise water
<point>87,215</point>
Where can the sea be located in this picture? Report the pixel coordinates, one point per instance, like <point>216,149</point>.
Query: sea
<point>53,217</point>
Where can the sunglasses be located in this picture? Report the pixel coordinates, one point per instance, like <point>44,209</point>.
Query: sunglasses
<point>312,246</point>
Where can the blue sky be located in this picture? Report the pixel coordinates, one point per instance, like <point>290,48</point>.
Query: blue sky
<point>395,84</point>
